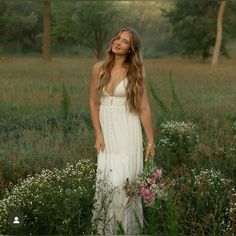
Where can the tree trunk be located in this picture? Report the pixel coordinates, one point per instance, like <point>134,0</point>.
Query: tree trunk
<point>218,42</point>
<point>46,31</point>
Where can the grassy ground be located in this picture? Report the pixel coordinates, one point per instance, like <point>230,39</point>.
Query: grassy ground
<point>30,85</point>
<point>37,131</point>
<point>201,89</point>
<point>31,95</point>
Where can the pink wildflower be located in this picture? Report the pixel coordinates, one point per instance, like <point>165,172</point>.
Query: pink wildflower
<point>158,174</point>
<point>151,180</point>
<point>148,198</point>
<point>145,192</point>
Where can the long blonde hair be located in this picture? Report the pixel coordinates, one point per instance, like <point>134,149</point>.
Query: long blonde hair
<point>134,88</point>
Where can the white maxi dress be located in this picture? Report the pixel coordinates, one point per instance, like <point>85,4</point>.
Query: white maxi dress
<point>121,159</point>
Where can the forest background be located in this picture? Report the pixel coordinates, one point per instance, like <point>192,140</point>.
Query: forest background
<point>47,50</point>
<point>167,27</point>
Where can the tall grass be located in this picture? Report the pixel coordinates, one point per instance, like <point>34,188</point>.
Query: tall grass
<point>45,120</point>
<point>34,93</point>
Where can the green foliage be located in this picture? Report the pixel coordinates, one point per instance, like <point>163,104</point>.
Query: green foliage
<point>175,103</point>
<point>172,223</point>
<point>88,23</point>
<point>31,122</point>
<point>65,22</point>
<point>158,101</point>
<point>176,108</point>
<point>120,230</point>
<point>206,203</point>
<point>20,26</point>
<point>177,144</point>
<point>234,127</point>
<point>103,198</point>
<point>69,121</point>
<point>65,102</point>
<point>161,217</point>
<point>151,219</point>
<point>155,30</point>
<point>96,21</point>
<point>53,202</point>
<point>35,139</point>
<point>194,24</point>
<point>178,136</point>
<point>81,25</point>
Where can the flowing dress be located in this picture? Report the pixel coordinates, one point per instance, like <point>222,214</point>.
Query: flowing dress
<point>121,159</point>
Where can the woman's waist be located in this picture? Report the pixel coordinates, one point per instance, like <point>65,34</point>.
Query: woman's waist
<point>113,101</point>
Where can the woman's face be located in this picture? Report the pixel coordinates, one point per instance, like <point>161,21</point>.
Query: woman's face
<point>121,45</point>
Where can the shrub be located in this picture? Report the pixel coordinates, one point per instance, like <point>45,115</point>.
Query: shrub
<point>234,127</point>
<point>53,202</point>
<point>178,136</point>
<point>205,203</point>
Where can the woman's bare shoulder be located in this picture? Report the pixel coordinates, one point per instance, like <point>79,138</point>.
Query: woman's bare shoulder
<point>97,66</point>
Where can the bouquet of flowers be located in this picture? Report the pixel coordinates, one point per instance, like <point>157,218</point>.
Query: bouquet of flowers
<point>146,185</point>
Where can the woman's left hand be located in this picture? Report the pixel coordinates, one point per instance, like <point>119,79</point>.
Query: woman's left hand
<point>150,151</point>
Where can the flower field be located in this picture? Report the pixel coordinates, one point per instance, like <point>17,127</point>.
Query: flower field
<point>47,155</point>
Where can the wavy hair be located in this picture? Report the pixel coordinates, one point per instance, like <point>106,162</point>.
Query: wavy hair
<point>134,88</point>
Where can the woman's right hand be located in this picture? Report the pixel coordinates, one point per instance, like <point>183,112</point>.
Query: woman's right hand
<point>100,144</point>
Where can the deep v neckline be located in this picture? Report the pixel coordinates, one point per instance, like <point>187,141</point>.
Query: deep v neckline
<point>115,88</point>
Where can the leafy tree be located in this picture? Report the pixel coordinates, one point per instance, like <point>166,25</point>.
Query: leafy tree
<point>155,30</point>
<point>143,15</point>
<point>194,24</point>
<point>20,25</point>
<point>65,22</point>
<point>85,22</point>
<point>96,21</point>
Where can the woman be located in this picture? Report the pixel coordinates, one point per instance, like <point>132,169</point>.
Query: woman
<point>118,102</point>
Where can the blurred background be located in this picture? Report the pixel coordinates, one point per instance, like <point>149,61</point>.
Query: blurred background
<point>83,28</point>
<point>47,52</point>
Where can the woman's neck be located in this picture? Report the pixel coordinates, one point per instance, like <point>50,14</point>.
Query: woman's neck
<point>119,61</point>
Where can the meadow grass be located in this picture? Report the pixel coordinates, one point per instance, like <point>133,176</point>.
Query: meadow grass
<point>34,83</point>
<point>45,121</point>
<point>31,93</point>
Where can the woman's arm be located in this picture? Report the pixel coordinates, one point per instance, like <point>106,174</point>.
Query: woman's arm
<point>94,110</point>
<point>146,119</point>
